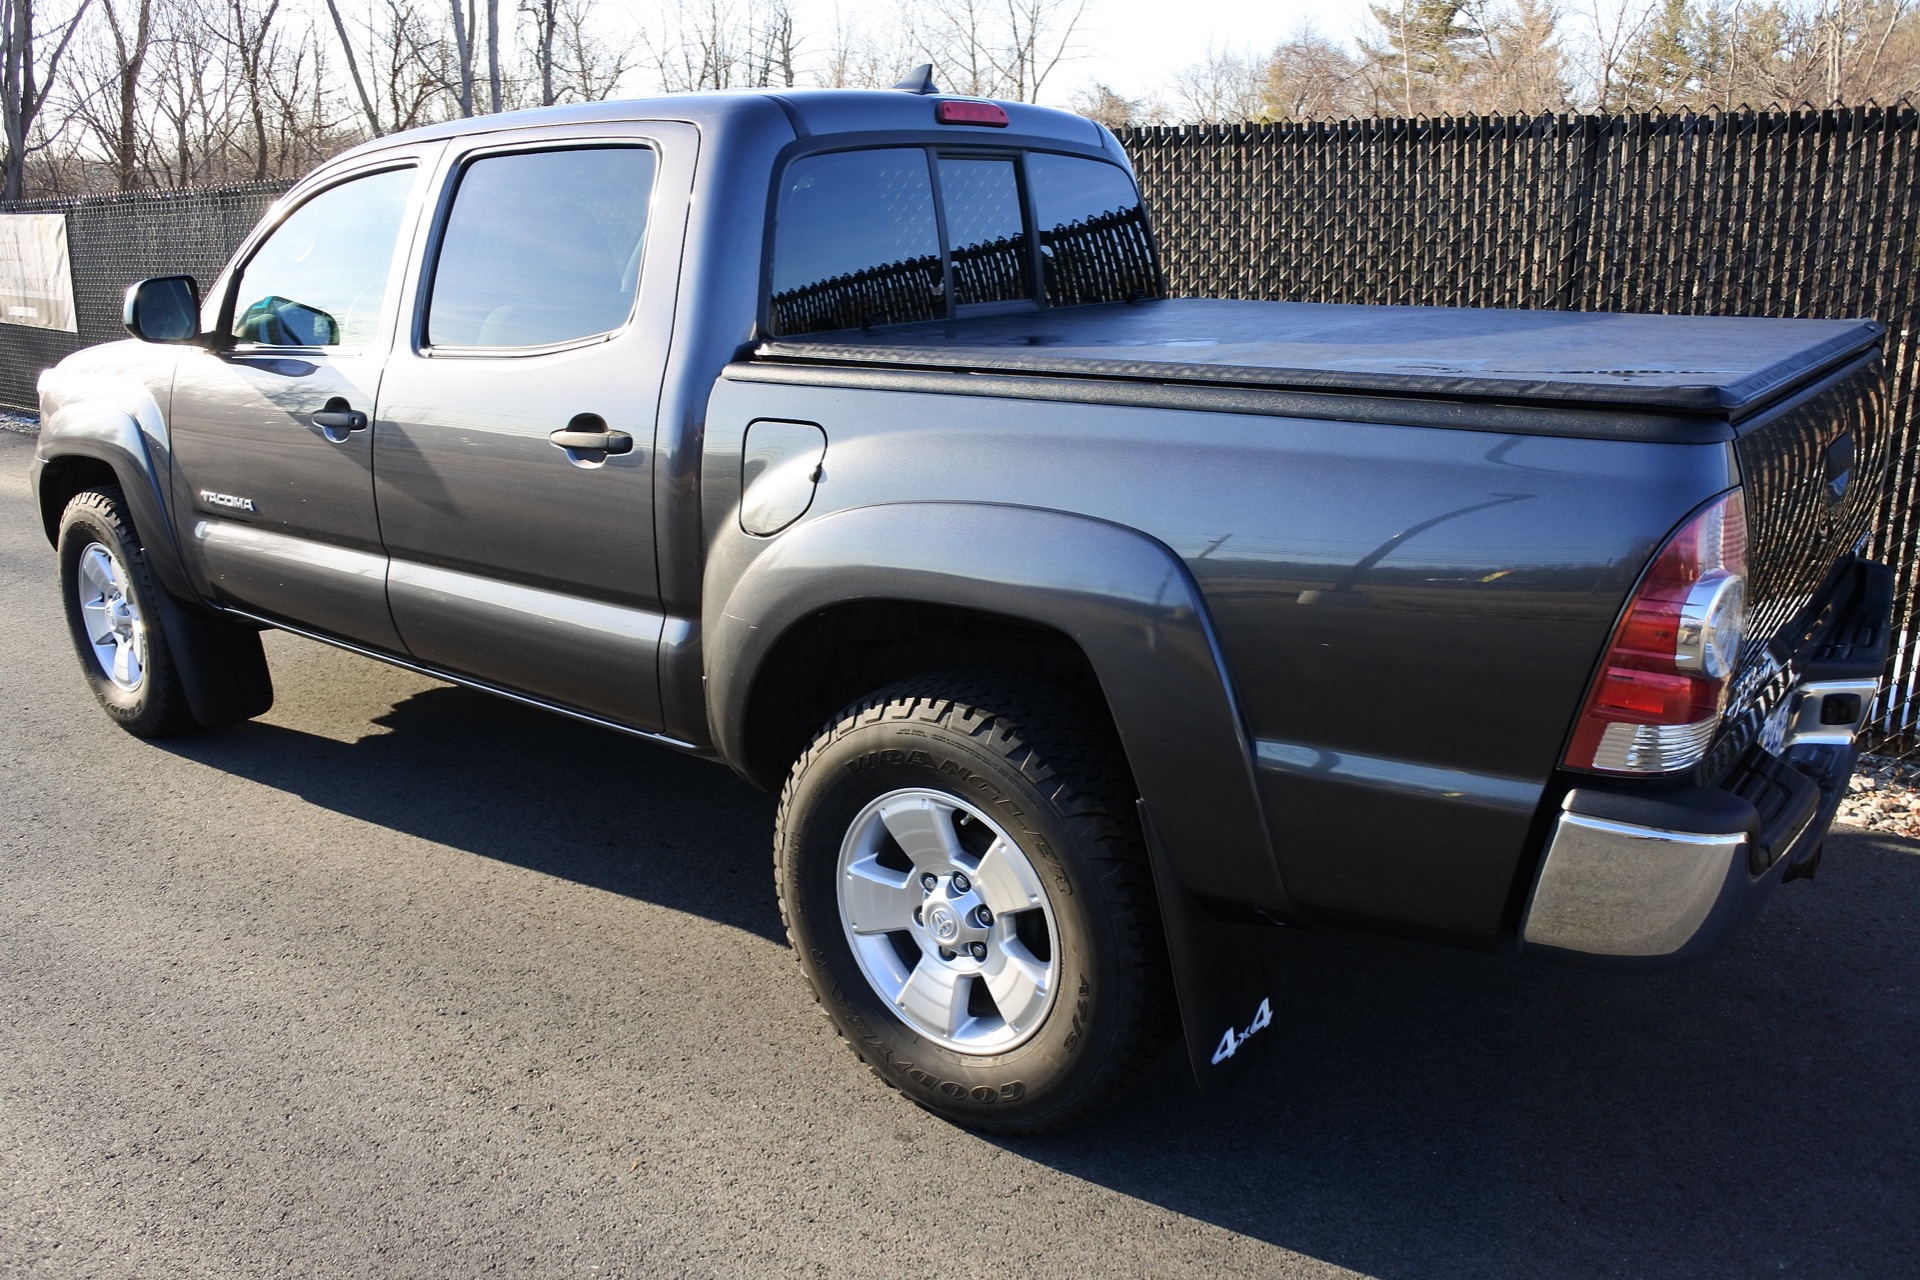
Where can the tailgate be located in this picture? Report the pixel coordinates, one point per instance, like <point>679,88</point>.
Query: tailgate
<point>1813,469</point>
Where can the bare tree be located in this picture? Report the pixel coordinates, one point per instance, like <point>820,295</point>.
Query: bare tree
<point>463,53</point>
<point>858,57</point>
<point>182,92</point>
<point>1225,87</point>
<point>1102,103</point>
<point>353,69</point>
<point>995,48</point>
<point>774,46</point>
<point>1309,77</point>
<point>572,60</point>
<point>493,55</point>
<point>30,58</point>
<point>106,105</point>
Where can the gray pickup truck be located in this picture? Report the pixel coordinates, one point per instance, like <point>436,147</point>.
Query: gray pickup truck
<point>849,439</point>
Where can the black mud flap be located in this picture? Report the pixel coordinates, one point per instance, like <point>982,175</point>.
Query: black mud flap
<point>221,665</point>
<point>1219,975</point>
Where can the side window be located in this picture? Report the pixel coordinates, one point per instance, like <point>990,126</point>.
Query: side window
<point>1093,237</point>
<point>986,230</point>
<point>541,247</point>
<point>856,242</point>
<point>321,278</point>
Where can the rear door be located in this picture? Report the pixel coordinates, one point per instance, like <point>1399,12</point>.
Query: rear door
<point>514,446</point>
<point>272,459</point>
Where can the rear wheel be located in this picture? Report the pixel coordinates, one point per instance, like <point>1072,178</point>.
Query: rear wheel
<point>962,878</point>
<point>109,598</point>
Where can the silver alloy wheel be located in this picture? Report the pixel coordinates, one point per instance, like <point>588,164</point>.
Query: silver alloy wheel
<point>949,920</point>
<point>114,627</point>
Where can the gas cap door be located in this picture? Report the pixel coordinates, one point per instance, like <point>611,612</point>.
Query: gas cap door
<point>780,466</point>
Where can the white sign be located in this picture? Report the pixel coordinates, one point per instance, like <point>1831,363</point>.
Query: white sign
<point>36,282</point>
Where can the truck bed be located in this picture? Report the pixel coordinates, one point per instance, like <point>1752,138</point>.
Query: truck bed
<point>1722,366</point>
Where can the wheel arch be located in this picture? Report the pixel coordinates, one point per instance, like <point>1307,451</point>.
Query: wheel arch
<point>85,444</point>
<point>220,662</point>
<point>1076,594</point>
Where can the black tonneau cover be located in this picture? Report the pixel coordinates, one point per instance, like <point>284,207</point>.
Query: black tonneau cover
<point>1691,364</point>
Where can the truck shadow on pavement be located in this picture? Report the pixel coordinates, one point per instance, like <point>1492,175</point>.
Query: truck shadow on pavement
<point>1420,1112</point>
<point>527,787</point>
<point>1424,1112</point>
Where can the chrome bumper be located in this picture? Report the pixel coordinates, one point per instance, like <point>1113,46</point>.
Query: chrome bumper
<point>1646,879</point>
<point>1611,888</point>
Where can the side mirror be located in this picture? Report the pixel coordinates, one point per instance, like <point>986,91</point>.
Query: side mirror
<point>163,309</point>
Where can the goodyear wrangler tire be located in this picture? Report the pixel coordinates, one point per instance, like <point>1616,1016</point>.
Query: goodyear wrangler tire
<point>962,878</point>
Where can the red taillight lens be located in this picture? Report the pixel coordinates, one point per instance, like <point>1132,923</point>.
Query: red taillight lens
<point>1656,701</point>
<point>986,113</point>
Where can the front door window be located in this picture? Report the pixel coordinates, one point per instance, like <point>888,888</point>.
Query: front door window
<point>321,278</point>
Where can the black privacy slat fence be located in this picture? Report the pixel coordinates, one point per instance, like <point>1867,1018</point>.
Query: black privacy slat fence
<point>113,241</point>
<point>1811,213</point>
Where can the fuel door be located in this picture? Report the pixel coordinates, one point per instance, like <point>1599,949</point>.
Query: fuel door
<point>780,466</point>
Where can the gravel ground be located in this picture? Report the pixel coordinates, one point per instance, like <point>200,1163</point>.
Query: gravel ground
<point>1884,796</point>
<point>401,980</point>
<point>24,423</point>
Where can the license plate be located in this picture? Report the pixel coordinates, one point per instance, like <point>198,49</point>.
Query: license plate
<point>1773,734</point>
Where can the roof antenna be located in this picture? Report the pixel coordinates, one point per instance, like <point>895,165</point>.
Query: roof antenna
<point>919,80</point>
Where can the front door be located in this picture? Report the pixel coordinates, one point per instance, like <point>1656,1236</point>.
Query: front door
<point>273,461</point>
<point>513,451</point>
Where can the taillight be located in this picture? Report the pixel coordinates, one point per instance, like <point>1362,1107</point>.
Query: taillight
<point>1656,701</point>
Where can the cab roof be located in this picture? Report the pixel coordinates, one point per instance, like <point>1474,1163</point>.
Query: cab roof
<point>810,113</point>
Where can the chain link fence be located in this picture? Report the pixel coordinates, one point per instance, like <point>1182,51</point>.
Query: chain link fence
<point>1812,213</point>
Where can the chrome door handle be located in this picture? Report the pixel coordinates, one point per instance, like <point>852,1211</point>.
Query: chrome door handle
<point>600,441</point>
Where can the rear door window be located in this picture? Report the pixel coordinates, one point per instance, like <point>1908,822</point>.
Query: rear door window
<point>541,248</point>
<point>856,242</point>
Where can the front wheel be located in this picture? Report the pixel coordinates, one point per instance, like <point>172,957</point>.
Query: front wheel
<point>963,880</point>
<point>110,601</point>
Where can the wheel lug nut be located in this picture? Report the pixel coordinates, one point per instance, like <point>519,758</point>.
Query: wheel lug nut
<point>979,950</point>
<point>945,954</point>
<point>960,882</point>
<point>982,917</point>
<point>929,882</point>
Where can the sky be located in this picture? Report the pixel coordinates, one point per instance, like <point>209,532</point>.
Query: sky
<point>1136,45</point>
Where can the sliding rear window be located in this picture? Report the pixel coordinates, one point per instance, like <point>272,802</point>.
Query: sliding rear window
<point>895,235</point>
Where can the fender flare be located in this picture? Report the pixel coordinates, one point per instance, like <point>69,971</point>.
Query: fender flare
<point>1135,611</point>
<point>1123,597</point>
<point>221,664</point>
<point>117,438</point>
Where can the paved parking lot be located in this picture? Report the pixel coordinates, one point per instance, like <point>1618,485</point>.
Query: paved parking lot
<point>405,981</point>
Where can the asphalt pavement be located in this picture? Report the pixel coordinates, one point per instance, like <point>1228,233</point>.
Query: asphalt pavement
<point>402,980</point>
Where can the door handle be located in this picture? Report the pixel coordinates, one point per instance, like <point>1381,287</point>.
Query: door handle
<point>600,441</point>
<point>338,419</point>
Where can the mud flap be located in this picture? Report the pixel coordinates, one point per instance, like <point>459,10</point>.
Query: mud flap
<point>1219,975</point>
<point>222,667</point>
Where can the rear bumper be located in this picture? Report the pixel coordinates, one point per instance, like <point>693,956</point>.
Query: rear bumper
<point>1653,878</point>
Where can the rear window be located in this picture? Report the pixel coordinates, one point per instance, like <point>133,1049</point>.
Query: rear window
<point>899,234</point>
<point>1094,245</point>
<point>858,242</point>
<point>991,261</point>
